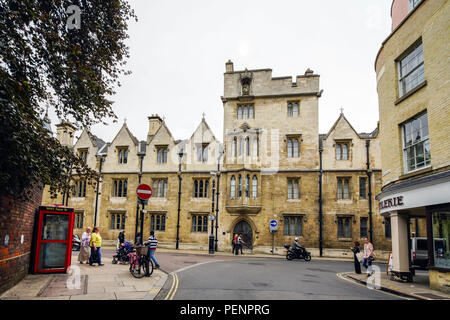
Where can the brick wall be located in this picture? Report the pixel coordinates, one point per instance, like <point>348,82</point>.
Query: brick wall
<point>16,219</point>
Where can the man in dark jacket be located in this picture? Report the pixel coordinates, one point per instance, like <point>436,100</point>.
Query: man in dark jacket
<point>296,246</point>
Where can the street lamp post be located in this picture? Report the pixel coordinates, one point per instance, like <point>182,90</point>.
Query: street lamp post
<point>217,197</point>
<point>180,155</point>
<point>211,236</point>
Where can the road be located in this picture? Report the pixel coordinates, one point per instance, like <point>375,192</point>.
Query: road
<point>203,277</point>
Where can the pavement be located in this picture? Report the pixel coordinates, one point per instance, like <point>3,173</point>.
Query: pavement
<point>84,282</point>
<point>419,289</point>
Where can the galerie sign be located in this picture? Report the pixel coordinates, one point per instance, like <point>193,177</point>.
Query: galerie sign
<point>391,203</point>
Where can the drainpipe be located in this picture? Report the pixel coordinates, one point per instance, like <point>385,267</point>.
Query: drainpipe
<point>320,203</point>
<point>369,178</point>
<point>97,191</point>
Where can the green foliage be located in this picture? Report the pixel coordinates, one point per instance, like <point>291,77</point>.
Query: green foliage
<point>74,71</point>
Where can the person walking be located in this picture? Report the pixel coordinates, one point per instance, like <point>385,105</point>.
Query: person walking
<point>356,250</point>
<point>236,244</point>
<point>233,243</point>
<point>96,247</point>
<point>83,256</point>
<point>153,243</point>
<point>240,243</point>
<point>121,239</point>
<point>368,256</point>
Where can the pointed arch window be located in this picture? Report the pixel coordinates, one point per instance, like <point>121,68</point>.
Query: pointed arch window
<point>247,186</point>
<point>254,187</point>
<point>239,112</point>
<point>233,187</point>
<point>247,146</point>
<point>162,154</point>
<point>240,186</point>
<point>342,151</point>
<point>293,143</point>
<point>241,146</point>
<point>256,147</point>
<point>123,154</point>
<point>234,147</point>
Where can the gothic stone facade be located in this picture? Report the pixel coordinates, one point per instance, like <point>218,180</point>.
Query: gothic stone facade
<point>269,168</point>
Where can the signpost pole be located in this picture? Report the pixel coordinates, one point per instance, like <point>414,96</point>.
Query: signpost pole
<point>142,223</point>
<point>273,242</point>
<point>144,192</point>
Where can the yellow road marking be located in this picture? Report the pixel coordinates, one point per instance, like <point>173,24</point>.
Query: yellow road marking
<point>173,288</point>
<point>170,291</point>
<point>176,287</point>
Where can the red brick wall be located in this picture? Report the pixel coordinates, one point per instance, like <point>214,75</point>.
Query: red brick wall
<point>16,219</point>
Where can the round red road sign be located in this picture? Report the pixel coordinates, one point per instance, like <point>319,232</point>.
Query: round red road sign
<point>144,191</point>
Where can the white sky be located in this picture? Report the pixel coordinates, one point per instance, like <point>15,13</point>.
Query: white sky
<point>179,48</point>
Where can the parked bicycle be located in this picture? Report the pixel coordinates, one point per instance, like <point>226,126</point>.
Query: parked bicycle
<point>140,264</point>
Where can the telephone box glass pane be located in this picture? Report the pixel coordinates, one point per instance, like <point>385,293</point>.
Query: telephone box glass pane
<point>55,227</point>
<point>52,255</point>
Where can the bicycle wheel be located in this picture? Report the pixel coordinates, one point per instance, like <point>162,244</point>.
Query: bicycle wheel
<point>151,266</point>
<point>137,269</point>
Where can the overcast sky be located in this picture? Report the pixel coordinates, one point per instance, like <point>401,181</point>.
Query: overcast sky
<point>179,48</point>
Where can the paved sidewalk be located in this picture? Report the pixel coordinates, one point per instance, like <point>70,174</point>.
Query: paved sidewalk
<point>419,289</point>
<point>109,282</point>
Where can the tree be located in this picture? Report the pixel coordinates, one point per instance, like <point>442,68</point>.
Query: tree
<point>45,62</point>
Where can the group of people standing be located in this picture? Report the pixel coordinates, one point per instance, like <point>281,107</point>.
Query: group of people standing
<point>91,243</point>
<point>237,243</point>
<point>364,257</point>
<point>91,247</point>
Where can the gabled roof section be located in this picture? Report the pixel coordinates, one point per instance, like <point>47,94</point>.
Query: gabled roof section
<point>361,135</point>
<point>160,130</point>
<point>96,142</point>
<point>203,133</point>
<point>132,137</point>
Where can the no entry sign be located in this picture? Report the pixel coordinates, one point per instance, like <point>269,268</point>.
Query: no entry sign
<point>144,191</point>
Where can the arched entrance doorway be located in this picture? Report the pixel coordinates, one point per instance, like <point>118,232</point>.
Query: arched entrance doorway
<point>244,228</point>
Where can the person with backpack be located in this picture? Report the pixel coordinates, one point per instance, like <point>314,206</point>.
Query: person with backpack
<point>233,243</point>
<point>240,242</point>
<point>153,243</point>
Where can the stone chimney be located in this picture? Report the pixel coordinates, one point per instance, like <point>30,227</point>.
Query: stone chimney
<point>65,133</point>
<point>229,66</point>
<point>155,122</point>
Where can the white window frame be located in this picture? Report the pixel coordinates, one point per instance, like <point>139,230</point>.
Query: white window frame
<point>402,91</point>
<point>424,140</point>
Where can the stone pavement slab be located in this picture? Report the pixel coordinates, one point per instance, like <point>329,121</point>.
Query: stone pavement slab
<point>419,289</point>
<point>84,282</point>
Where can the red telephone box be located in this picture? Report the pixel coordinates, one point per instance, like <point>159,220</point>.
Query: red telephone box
<point>53,239</point>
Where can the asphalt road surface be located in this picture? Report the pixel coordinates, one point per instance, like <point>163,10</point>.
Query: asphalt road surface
<point>230,278</point>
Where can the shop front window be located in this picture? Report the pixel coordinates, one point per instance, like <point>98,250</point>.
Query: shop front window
<point>441,233</point>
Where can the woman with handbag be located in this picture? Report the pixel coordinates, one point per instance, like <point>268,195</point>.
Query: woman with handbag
<point>357,256</point>
<point>96,247</point>
<point>84,248</point>
<point>368,256</point>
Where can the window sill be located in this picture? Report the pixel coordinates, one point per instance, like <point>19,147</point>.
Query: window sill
<point>415,172</point>
<point>410,93</point>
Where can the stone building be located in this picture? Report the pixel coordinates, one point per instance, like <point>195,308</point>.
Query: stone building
<point>269,167</point>
<point>413,86</point>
